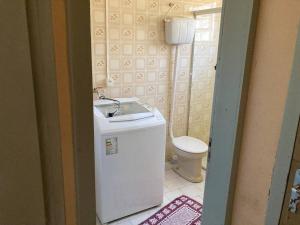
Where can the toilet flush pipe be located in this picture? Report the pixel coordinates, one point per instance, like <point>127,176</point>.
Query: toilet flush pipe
<point>173,95</point>
<point>191,72</point>
<point>109,80</point>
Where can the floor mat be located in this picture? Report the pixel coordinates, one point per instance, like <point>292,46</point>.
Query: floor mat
<point>181,211</point>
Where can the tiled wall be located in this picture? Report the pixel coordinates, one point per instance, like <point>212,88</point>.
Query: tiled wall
<point>206,47</point>
<point>139,59</point>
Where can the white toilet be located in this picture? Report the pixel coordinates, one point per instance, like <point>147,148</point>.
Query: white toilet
<point>189,150</point>
<point>189,154</point>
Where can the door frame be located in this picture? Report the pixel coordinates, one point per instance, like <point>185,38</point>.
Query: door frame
<point>42,50</point>
<point>231,87</point>
<point>65,134</point>
<point>286,143</point>
<point>235,48</point>
<point>80,69</point>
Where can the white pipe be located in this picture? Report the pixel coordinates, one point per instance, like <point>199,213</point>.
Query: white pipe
<point>94,76</point>
<point>191,72</point>
<point>171,5</point>
<point>173,97</point>
<point>109,81</point>
<point>207,11</point>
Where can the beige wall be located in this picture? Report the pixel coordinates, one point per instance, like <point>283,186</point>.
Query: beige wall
<point>139,58</point>
<point>273,54</point>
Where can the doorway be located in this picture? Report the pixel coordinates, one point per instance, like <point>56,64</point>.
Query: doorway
<point>289,215</point>
<point>75,47</point>
<point>132,59</point>
<point>224,139</point>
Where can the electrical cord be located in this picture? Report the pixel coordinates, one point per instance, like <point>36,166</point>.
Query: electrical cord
<point>116,102</point>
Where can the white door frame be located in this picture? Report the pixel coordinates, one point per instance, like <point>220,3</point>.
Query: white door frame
<point>286,143</point>
<point>233,68</point>
<point>234,61</point>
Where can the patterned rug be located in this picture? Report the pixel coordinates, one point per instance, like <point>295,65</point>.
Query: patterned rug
<point>181,211</point>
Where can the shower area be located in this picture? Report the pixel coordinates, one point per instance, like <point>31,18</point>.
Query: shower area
<point>203,78</point>
<point>195,115</point>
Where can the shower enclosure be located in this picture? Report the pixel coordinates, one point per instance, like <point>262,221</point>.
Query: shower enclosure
<point>203,73</point>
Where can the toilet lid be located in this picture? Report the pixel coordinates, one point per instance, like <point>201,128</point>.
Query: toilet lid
<point>190,144</point>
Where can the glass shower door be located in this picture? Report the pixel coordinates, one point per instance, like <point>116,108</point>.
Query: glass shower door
<point>203,78</point>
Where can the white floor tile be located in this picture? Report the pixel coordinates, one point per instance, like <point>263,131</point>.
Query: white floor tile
<point>140,217</point>
<point>191,191</point>
<point>198,198</point>
<point>174,194</point>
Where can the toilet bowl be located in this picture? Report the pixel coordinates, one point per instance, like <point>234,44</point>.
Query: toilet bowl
<point>189,150</point>
<point>189,154</point>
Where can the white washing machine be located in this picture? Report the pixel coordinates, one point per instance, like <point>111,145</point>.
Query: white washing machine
<point>129,157</point>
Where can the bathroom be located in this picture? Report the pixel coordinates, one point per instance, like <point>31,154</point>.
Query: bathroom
<point>131,58</point>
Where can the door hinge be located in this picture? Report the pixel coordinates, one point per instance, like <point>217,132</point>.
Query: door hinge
<point>209,149</point>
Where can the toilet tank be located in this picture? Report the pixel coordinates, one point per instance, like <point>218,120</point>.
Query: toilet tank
<point>180,30</point>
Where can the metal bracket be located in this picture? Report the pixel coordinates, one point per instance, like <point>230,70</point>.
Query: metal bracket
<point>295,194</point>
<point>209,149</point>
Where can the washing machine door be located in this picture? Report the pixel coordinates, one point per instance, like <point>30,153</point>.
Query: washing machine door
<point>126,111</point>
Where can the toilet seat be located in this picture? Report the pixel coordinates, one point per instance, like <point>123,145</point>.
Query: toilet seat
<point>190,144</point>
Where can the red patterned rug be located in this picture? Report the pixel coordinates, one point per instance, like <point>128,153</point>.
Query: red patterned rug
<point>181,211</point>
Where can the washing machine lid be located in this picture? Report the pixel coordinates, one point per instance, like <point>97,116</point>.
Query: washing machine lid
<point>190,144</point>
<point>127,111</point>
<point>132,117</point>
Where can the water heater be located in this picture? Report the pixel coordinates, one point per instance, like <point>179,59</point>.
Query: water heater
<point>180,30</point>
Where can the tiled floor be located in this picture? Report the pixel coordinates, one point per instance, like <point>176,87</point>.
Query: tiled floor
<point>174,186</point>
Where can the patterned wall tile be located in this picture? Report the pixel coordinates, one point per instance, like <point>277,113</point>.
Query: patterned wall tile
<point>141,5</point>
<point>127,33</point>
<point>128,4</point>
<point>127,18</point>
<point>99,33</point>
<point>140,77</point>
<point>99,49</point>
<point>163,76</point>
<point>99,16</point>
<point>140,61</point>
<point>139,91</point>
<point>141,19</point>
<point>98,3</point>
<point>128,78</point>
<point>151,76</point>
<point>127,49</point>
<point>114,48</point>
<point>128,91</point>
<point>114,4</point>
